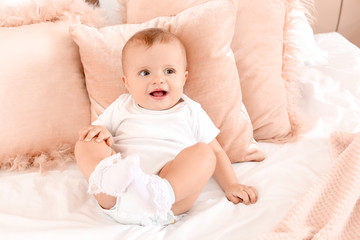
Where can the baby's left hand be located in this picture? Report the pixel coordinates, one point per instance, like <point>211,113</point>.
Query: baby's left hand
<point>238,193</point>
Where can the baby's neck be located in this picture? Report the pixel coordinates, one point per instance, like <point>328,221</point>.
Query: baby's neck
<point>180,101</point>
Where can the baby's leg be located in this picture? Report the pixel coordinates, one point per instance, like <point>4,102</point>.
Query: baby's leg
<point>109,176</point>
<point>123,177</point>
<point>88,155</point>
<point>188,174</point>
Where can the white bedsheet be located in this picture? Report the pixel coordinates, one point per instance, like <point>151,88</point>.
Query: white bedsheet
<point>56,206</point>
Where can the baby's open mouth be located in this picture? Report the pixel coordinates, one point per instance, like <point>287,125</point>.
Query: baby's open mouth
<point>159,93</point>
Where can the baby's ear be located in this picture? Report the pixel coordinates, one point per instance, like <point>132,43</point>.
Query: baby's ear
<point>123,78</point>
<point>186,75</point>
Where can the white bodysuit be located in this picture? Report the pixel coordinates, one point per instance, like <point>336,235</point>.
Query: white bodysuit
<point>156,136</point>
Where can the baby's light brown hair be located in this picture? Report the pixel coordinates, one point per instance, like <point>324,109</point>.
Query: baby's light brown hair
<point>149,37</point>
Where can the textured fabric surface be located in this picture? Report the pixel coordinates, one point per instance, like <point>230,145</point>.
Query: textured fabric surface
<point>264,47</point>
<point>213,81</point>
<point>331,208</point>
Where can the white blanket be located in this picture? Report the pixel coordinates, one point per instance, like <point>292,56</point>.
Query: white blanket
<point>57,206</point>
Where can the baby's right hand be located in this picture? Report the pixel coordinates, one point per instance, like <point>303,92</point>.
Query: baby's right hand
<point>100,134</point>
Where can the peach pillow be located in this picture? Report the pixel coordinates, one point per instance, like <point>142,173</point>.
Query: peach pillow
<point>43,98</point>
<point>213,79</point>
<point>264,54</point>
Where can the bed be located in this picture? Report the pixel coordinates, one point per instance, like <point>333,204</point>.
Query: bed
<point>56,205</point>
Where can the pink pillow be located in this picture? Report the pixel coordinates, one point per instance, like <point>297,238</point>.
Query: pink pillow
<point>213,79</point>
<point>43,98</point>
<point>264,53</point>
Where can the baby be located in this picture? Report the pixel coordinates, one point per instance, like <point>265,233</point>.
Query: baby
<point>152,151</point>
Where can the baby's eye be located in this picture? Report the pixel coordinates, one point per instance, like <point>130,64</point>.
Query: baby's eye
<point>144,73</point>
<point>169,71</point>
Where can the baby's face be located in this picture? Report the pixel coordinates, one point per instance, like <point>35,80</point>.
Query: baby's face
<point>155,76</point>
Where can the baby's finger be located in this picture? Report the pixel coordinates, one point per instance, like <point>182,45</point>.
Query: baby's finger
<point>244,196</point>
<point>252,194</point>
<point>234,199</point>
<point>109,141</point>
<point>83,132</point>
<point>91,134</point>
<point>103,136</point>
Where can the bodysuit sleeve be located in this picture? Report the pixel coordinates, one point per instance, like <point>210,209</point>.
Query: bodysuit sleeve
<point>107,118</point>
<point>205,129</point>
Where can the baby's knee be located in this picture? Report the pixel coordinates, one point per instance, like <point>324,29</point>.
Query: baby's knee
<point>207,154</point>
<point>80,148</point>
<point>205,149</point>
<point>85,149</point>
<point>88,154</point>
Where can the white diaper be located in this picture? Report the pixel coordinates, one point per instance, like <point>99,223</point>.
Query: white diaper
<point>129,210</point>
<point>141,198</point>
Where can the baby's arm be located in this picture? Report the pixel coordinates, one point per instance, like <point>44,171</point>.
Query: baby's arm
<point>225,176</point>
<point>98,132</point>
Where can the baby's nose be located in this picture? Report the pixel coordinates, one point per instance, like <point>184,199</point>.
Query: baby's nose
<point>158,80</point>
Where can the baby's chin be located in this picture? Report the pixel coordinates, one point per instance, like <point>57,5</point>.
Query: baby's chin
<point>160,106</point>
